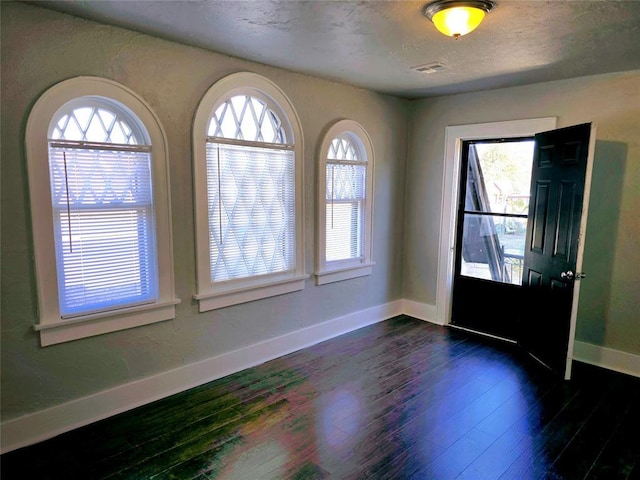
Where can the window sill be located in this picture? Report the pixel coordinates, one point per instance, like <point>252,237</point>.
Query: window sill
<point>248,292</point>
<point>60,331</point>
<point>344,273</point>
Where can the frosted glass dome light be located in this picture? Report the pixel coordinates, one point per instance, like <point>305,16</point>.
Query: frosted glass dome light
<point>455,18</point>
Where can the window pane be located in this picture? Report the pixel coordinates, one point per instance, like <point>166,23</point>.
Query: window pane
<point>498,177</point>
<point>342,148</point>
<point>345,195</point>
<point>106,261</point>
<point>493,248</point>
<point>93,124</point>
<point>246,118</point>
<point>103,220</point>
<point>344,240</point>
<point>251,210</point>
<point>345,182</point>
<point>99,177</point>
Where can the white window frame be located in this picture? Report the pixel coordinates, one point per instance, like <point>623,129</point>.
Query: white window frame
<point>335,271</point>
<point>52,327</point>
<point>210,295</point>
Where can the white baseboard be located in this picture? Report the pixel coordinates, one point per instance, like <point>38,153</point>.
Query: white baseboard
<point>609,358</point>
<point>421,311</point>
<point>44,424</point>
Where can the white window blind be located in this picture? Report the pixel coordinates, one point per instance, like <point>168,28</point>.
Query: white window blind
<point>103,214</point>
<point>250,191</point>
<point>103,221</point>
<point>251,210</point>
<point>345,197</point>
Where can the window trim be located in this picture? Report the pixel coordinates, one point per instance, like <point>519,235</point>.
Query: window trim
<point>329,272</point>
<point>211,296</point>
<point>51,327</point>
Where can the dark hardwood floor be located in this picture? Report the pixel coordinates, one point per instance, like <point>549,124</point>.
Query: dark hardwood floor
<point>402,399</point>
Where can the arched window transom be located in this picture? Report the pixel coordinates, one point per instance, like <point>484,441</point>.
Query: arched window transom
<point>244,117</point>
<point>342,149</point>
<point>94,124</point>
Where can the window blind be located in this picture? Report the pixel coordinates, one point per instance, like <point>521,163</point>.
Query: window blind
<point>251,209</point>
<point>345,187</point>
<point>103,221</point>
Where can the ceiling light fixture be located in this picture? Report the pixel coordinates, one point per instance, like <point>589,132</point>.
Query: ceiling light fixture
<point>455,18</point>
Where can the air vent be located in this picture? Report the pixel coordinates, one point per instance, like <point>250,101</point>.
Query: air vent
<point>432,67</point>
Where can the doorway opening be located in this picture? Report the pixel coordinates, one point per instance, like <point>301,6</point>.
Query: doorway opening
<point>492,220</point>
<point>493,207</point>
<point>454,137</point>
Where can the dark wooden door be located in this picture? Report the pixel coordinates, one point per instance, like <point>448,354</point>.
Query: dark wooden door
<point>552,241</point>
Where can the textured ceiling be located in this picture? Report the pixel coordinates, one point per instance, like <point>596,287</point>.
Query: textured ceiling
<point>373,44</point>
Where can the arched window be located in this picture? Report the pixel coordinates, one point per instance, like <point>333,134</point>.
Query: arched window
<point>345,204</point>
<point>247,144</point>
<point>101,221</point>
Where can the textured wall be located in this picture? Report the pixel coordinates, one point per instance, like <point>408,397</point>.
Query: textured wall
<point>41,48</point>
<point>608,313</point>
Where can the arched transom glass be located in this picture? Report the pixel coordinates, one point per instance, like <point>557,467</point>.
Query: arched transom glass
<point>94,124</point>
<point>342,148</point>
<point>243,117</point>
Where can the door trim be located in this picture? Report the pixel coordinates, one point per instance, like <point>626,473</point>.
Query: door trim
<point>454,136</point>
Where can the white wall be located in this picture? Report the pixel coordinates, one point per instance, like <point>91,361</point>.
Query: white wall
<point>609,302</point>
<point>41,48</point>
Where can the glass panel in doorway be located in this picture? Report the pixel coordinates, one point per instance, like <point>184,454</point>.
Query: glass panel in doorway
<point>496,203</point>
<point>493,248</point>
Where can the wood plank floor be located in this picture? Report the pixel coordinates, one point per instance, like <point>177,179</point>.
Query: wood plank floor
<point>402,399</point>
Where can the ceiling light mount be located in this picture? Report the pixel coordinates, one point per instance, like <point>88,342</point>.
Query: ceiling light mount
<point>455,18</point>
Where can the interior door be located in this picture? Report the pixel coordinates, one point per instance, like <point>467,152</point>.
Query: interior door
<point>553,253</point>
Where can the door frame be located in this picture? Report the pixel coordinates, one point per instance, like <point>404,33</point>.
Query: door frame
<point>478,294</point>
<point>454,136</point>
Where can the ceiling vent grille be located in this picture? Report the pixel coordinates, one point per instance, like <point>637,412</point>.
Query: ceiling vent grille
<point>432,67</point>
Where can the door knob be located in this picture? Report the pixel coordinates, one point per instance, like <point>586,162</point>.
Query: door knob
<point>568,275</point>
